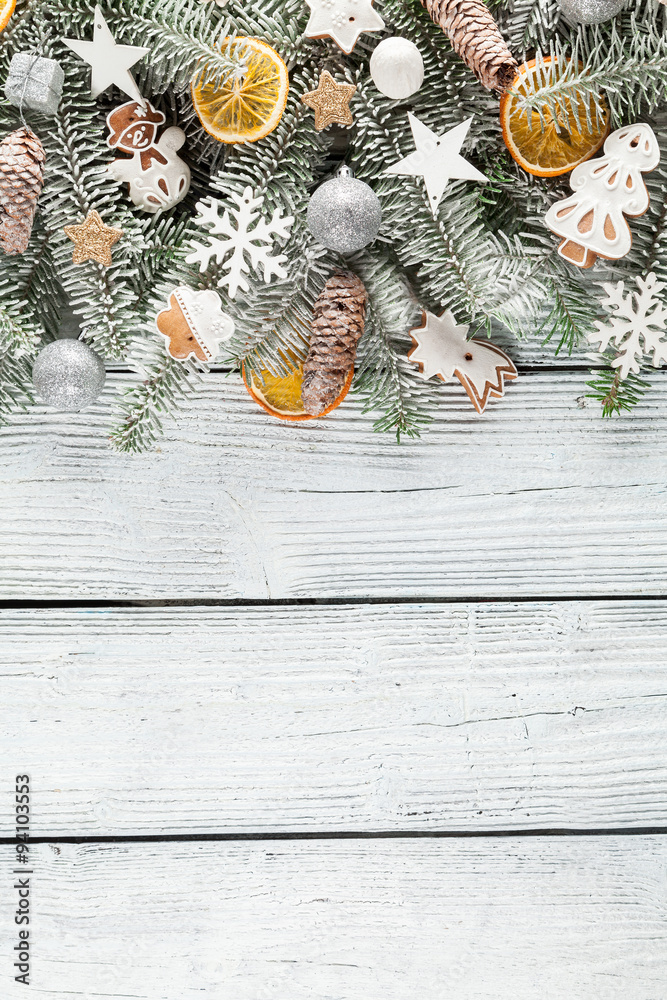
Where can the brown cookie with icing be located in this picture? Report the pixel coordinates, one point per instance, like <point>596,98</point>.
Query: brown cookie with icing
<point>181,341</point>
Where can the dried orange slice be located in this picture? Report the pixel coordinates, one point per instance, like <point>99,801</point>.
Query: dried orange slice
<point>281,395</point>
<point>549,147</point>
<point>6,11</point>
<point>248,103</point>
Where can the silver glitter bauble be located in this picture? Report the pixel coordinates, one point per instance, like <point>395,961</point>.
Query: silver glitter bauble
<point>68,375</point>
<point>344,214</point>
<point>590,11</point>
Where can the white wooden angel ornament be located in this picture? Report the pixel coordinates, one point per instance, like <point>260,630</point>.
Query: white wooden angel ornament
<point>591,222</point>
<point>158,178</point>
<point>440,347</point>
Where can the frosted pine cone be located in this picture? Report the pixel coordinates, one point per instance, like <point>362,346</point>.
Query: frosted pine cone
<point>338,323</point>
<point>21,177</point>
<point>476,38</point>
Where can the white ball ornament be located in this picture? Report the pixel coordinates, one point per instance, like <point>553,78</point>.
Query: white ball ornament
<point>68,375</point>
<point>344,214</point>
<point>397,68</point>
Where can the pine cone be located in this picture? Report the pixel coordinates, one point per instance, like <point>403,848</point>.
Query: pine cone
<point>338,323</point>
<point>21,177</point>
<point>476,38</point>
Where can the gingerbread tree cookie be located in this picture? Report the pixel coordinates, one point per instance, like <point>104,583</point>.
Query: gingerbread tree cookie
<point>591,222</point>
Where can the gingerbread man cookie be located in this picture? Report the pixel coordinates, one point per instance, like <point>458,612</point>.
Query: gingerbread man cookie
<point>158,178</point>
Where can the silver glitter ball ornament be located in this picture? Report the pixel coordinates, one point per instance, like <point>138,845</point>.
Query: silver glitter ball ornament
<point>68,375</point>
<point>344,214</point>
<point>590,11</point>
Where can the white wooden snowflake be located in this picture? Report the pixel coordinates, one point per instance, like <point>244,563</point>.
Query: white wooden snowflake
<point>246,241</point>
<point>636,326</point>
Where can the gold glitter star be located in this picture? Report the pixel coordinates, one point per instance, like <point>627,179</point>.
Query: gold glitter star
<point>93,239</point>
<point>330,102</point>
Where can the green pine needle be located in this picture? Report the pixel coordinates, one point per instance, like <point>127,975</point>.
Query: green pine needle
<point>614,393</point>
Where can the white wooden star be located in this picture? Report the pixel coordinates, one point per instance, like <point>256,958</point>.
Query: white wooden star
<point>342,20</point>
<point>110,62</point>
<point>437,159</point>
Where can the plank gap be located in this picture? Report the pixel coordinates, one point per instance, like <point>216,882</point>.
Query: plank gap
<point>315,602</point>
<point>639,831</point>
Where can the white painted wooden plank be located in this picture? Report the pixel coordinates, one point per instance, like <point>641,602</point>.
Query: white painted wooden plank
<point>482,919</point>
<point>534,353</point>
<point>421,718</point>
<point>539,497</point>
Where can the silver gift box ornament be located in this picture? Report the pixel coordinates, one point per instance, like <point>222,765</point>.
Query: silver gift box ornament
<point>35,83</point>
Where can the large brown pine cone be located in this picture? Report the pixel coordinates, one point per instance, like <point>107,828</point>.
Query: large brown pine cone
<point>338,323</point>
<point>476,38</point>
<point>21,177</point>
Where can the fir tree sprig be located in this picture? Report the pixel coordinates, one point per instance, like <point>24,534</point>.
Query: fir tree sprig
<point>385,379</point>
<point>614,393</point>
<point>623,64</point>
<point>75,183</point>
<point>30,307</point>
<point>165,385</point>
<point>18,346</point>
<point>527,24</point>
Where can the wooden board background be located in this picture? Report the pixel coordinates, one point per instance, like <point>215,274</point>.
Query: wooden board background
<point>444,717</point>
<point>539,497</point>
<point>311,715</point>
<point>397,919</point>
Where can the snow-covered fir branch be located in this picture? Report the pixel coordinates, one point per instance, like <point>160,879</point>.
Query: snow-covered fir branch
<point>623,64</point>
<point>385,378</point>
<point>486,255</point>
<point>164,386</point>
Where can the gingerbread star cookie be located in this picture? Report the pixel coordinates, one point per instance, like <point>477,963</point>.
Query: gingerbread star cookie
<point>93,239</point>
<point>330,102</point>
<point>441,348</point>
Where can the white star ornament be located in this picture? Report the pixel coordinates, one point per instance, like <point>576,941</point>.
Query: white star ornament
<point>110,62</point>
<point>342,20</point>
<point>440,347</point>
<point>437,159</point>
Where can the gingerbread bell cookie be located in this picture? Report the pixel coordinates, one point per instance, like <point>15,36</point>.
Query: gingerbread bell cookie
<point>158,178</point>
<point>194,324</point>
<point>591,222</point>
